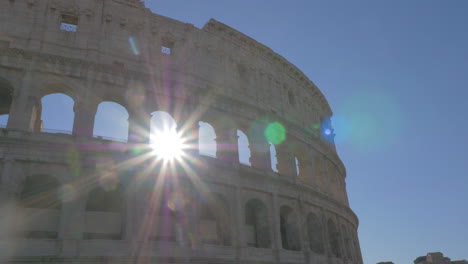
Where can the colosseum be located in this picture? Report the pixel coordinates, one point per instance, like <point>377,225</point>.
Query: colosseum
<point>256,179</point>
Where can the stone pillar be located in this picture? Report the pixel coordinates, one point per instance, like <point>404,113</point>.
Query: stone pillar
<point>72,219</point>
<point>326,235</point>
<point>24,109</point>
<point>239,230</point>
<point>306,171</point>
<point>134,212</point>
<point>9,188</point>
<point>260,154</point>
<point>189,128</point>
<point>286,163</point>
<point>139,127</point>
<point>344,246</point>
<point>226,142</point>
<point>276,230</point>
<point>7,210</point>
<point>85,112</point>
<point>303,232</point>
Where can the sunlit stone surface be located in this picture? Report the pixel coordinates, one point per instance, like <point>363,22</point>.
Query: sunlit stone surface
<point>86,178</point>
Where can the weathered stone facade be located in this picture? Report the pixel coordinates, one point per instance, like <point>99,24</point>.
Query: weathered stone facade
<point>53,206</point>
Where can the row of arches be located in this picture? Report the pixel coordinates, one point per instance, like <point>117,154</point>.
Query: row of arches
<point>111,122</point>
<point>42,198</point>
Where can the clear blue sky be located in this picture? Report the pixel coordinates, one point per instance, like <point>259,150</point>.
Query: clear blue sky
<point>396,74</point>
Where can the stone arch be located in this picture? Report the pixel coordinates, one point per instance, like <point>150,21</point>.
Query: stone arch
<point>334,238</point>
<point>289,228</point>
<point>206,139</point>
<point>57,115</point>
<point>58,86</point>
<point>164,138</point>
<point>257,224</point>
<point>243,145</point>
<point>165,217</point>
<point>161,121</point>
<point>215,220</point>
<point>6,100</point>
<point>104,213</point>
<point>111,121</point>
<point>315,234</point>
<point>162,211</point>
<point>39,206</point>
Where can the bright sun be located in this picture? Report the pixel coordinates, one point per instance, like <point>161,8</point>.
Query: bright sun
<point>168,144</point>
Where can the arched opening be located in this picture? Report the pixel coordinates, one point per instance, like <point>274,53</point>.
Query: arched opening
<point>215,224</point>
<point>111,122</point>
<point>161,121</point>
<point>4,120</point>
<point>257,228</point>
<point>166,142</point>
<point>206,139</point>
<point>57,113</point>
<point>290,239</point>
<point>273,158</point>
<point>104,214</point>
<point>334,238</point>
<point>38,211</point>
<point>6,99</point>
<point>296,162</point>
<point>244,148</point>
<point>314,233</point>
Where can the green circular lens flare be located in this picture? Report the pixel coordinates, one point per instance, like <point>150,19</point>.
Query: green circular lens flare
<point>275,133</point>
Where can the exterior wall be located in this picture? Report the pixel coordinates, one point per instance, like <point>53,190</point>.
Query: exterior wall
<point>214,74</point>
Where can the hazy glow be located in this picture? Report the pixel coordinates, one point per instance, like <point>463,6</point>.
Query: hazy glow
<point>168,144</point>
<point>275,133</point>
<point>133,45</point>
<point>369,120</point>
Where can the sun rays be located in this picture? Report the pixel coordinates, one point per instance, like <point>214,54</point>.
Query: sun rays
<point>168,145</point>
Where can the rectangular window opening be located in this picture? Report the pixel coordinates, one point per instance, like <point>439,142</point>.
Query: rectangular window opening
<point>69,23</point>
<point>166,50</point>
<point>166,47</point>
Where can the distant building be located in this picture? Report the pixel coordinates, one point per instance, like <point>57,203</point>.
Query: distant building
<point>437,258</point>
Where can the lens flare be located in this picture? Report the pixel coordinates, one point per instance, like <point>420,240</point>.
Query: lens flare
<point>168,144</point>
<point>369,120</point>
<point>133,45</point>
<point>275,133</point>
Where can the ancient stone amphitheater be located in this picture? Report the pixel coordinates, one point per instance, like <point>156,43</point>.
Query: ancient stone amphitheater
<point>76,197</point>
